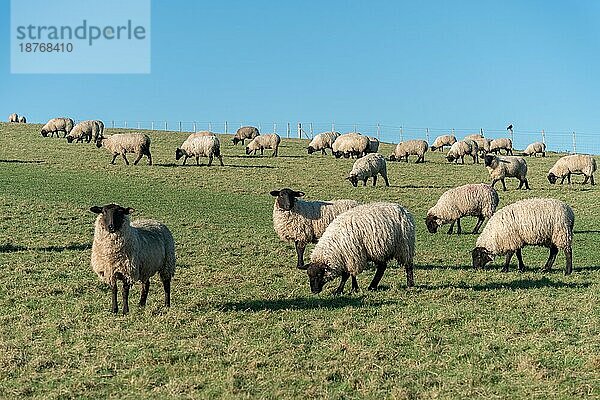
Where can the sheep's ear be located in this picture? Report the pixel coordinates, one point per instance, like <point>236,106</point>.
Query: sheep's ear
<point>298,194</point>
<point>129,210</point>
<point>274,193</point>
<point>96,209</point>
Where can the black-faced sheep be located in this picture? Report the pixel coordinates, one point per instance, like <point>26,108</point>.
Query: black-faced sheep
<point>534,149</point>
<point>366,167</point>
<point>14,117</point>
<point>441,141</point>
<point>460,149</point>
<point>123,143</point>
<point>263,142</point>
<point>410,148</point>
<point>351,144</point>
<point>245,132</point>
<point>84,130</point>
<point>200,146</point>
<point>573,164</point>
<point>501,167</point>
<point>322,141</point>
<point>56,125</point>
<point>22,119</point>
<point>501,144</point>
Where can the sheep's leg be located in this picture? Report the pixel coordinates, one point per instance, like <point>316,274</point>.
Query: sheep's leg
<point>184,159</point>
<point>494,182</point>
<point>365,182</point>
<point>527,184</point>
<point>378,275</point>
<point>323,152</point>
<point>585,179</point>
<point>149,157</point>
<point>480,220</point>
<point>354,285</point>
<point>221,161</point>
<point>507,262</point>
<point>569,178</point>
<point>569,265</point>
<point>592,180</point>
<point>125,158</point>
<point>385,178</point>
<point>210,159</point>
<point>543,154</point>
<point>114,158</point>
<point>139,157</point>
<point>458,230</point>
<point>340,289</point>
<point>374,179</point>
<point>410,280</point>
<point>503,184</point>
<point>145,289</point>
<point>563,179</point>
<point>167,288</point>
<point>520,258</point>
<point>125,297</point>
<point>115,307</point>
<point>262,150</point>
<point>451,230</point>
<point>551,258</point>
<point>300,252</point>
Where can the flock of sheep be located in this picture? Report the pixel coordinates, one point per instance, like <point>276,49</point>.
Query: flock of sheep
<point>348,235</point>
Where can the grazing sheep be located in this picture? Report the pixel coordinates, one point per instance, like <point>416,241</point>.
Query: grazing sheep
<point>410,148</point>
<point>501,144</point>
<point>322,141</point>
<point>303,222</point>
<point>263,142</point>
<point>482,142</point>
<point>479,200</point>
<point>200,146</point>
<point>535,148</point>
<point>245,132</point>
<point>123,143</point>
<point>131,252</point>
<point>14,117</point>
<point>376,232</point>
<point>535,221</point>
<point>84,130</point>
<point>366,167</point>
<point>100,129</point>
<point>441,141</point>
<point>373,145</point>
<point>22,119</point>
<point>56,125</point>
<point>573,164</point>
<point>462,148</point>
<point>501,167</point>
<point>350,145</point>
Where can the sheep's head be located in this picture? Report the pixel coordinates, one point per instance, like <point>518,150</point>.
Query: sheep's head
<point>44,132</point>
<point>347,155</point>
<point>353,179</point>
<point>178,153</point>
<point>337,154</point>
<point>286,198</point>
<point>552,178</point>
<point>490,160</point>
<point>481,256</point>
<point>450,157</point>
<point>318,275</point>
<point>310,149</point>
<point>392,157</point>
<point>113,216</point>
<point>70,139</point>
<point>235,141</point>
<point>433,223</point>
<point>433,148</point>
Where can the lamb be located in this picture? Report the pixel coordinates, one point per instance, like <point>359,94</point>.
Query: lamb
<point>410,148</point>
<point>245,132</point>
<point>366,167</point>
<point>479,200</point>
<point>22,119</point>
<point>303,222</point>
<point>501,167</point>
<point>84,130</point>
<point>123,143</point>
<point>351,144</point>
<point>441,141</point>
<point>535,221</point>
<point>263,142</point>
<point>535,148</point>
<point>376,232</point>
<point>501,144</point>
<point>200,146</point>
<point>322,141</point>
<point>373,145</point>
<point>462,148</point>
<point>573,164</point>
<point>14,117</point>
<point>131,252</point>
<point>56,125</point>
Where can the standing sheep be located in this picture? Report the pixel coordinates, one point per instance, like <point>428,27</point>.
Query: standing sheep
<point>245,132</point>
<point>376,232</point>
<point>573,164</point>
<point>479,200</point>
<point>366,167</point>
<point>200,146</point>
<point>441,141</point>
<point>535,148</point>
<point>501,144</point>
<point>22,119</point>
<point>501,167</point>
<point>482,142</point>
<point>303,222</point>
<point>14,117</point>
<point>535,221</point>
<point>56,125</point>
<point>84,130</point>
<point>263,142</point>
<point>131,252</point>
<point>462,148</point>
<point>322,141</point>
<point>410,148</point>
<point>351,144</point>
<point>123,143</point>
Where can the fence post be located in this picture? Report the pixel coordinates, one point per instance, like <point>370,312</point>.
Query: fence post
<point>311,130</point>
<point>574,143</point>
<point>401,134</point>
<point>427,134</point>
<point>152,125</point>
<point>165,125</point>
<point>452,130</point>
<point>210,126</point>
<point>543,137</point>
<point>138,124</point>
<point>288,130</point>
<point>112,124</point>
<point>194,126</point>
<point>378,131</point>
<point>126,124</point>
<point>299,130</point>
<point>332,127</point>
<point>481,131</point>
<point>355,130</point>
<point>274,127</point>
<point>225,127</point>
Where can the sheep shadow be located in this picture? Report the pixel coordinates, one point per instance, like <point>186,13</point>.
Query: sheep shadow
<point>300,303</point>
<point>518,284</point>
<point>586,231</point>
<point>22,161</point>
<point>11,248</point>
<point>250,166</point>
<point>423,186</point>
<point>431,267</point>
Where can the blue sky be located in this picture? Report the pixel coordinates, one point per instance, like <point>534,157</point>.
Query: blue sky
<point>438,64</point>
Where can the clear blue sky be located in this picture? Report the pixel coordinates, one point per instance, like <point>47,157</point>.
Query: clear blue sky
<point>439,64</point>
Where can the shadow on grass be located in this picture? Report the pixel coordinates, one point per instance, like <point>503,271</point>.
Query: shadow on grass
<point>301,303</point>
<point>11,248</point>
<point>586,231</point>
<point>423,186</point>
<point>22,161</point>
<point>250,166</point>
<point>519,284</point>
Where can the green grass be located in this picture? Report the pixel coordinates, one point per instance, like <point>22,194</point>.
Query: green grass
<point>243,322</point>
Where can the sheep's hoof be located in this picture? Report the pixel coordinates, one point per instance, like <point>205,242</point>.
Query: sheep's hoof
<point>372,288</point>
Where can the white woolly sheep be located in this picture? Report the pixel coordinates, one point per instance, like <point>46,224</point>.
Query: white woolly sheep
<point>366,167</point>
<point>501,144</point>
<point>501,167</point>
<point>56,125</point>
<point>376,232</point>
<point>22,119</point>
<point>373,145</point>
<point>263,142</point>
<point>534,149</point>
<point>479,200</point>
<point>84,130</point>
<point>301,221</point>
<point>123,143</point>
<point>350,145</point>
<point>322,141</point>
<point>536,221</point>
<point>245,132</point>
<point>573,164</point>
<point>131,252</point>
<point>200,146</point>
<point>441,141</point>
<point>410,148</point>
<point>462,148</point>
<point>14,117</point>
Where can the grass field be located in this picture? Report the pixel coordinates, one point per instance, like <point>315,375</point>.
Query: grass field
<point>243,322</point>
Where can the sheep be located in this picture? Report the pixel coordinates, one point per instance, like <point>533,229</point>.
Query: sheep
<point>56,125</point>
<point>573,164</point>
<point>14,117</point>
<point>351,144</point>
<point>501,144</point>
<point>301,221</point>
<point>22,119</point>
<point>373,145</point>
<point>479,200</point>
<point>123,143</point>
<point>84,130</point>
<point>462,148</point>
<point>534,221</point>
<point>482,142</point>
<point>534,149</point>
<point>441,141</point>
<point>100,129</point>
<point>366,167</point>
<point>131,252</point>
<point>245,132</point>
<point>376,232</point>
<point>501,167</point>
<point>410,148</point>
<point>263,142</point>
<point>322,141</point>
<point>200,146</point>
